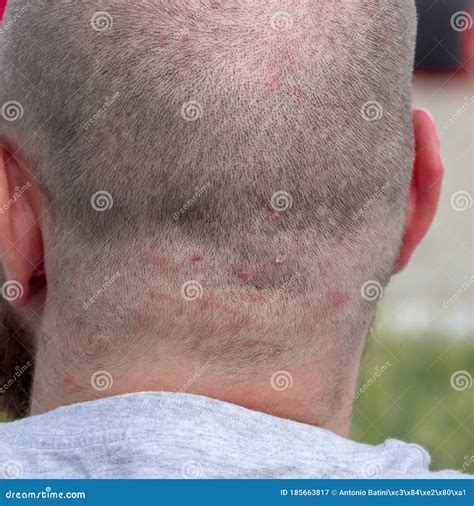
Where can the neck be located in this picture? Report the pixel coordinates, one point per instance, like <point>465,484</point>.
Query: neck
<point>305,391</point>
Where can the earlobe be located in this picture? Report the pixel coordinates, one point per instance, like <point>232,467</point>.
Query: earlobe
<point>21,246</point>
<point>425,188</point>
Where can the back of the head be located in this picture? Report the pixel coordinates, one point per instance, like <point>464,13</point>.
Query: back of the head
<point>221,179</point>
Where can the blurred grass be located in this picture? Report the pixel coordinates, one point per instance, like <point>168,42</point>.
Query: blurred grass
<point>412,398</point>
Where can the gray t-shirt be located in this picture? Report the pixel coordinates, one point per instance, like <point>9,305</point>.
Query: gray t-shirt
<point>175,435</point>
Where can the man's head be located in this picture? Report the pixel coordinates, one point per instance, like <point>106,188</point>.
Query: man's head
<point>196,181</point>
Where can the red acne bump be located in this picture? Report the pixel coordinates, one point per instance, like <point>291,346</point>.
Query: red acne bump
<point>341,299</point>
<point>299,94</point>
<point>156,259</point>
<point>196,258</point>
<point>257,297</point>
<point>242,273</point>
<point>157,296</point>
<point>243,241</point>
<point>163,43</point>
<point>271,82</point>
<point>69,381</point>
<point>276,216</point>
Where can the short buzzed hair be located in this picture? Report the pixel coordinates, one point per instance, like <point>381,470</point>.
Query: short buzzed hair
<point>274,138</point>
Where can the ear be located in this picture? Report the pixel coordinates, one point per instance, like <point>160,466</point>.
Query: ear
<point>21,245</point>
<point>425,186</point>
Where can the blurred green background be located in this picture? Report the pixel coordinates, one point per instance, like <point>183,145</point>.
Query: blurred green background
<point>413,399</point>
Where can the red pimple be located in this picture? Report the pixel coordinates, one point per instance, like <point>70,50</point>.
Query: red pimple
<point>163,43</point>
<point>341,299</point>
<point>271,82</point>
<point>69,381</point>
<point>196,257</point>
<point>276,216</point>
<point>242,272</point>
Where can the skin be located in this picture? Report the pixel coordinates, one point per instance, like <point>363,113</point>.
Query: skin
<point>22,230</point>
